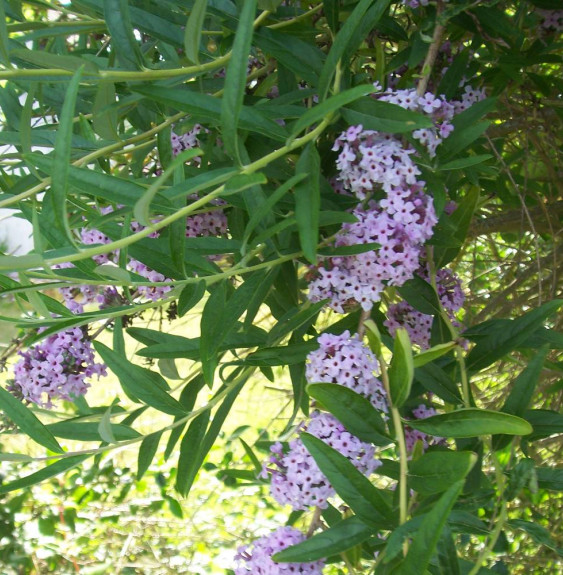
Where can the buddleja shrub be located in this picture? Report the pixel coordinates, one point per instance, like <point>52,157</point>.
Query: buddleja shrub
<point>323,162</point>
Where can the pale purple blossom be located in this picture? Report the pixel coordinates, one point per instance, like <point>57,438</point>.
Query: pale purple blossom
<point>257,559</point>
<point>345,360</point>
<point>56,368</point>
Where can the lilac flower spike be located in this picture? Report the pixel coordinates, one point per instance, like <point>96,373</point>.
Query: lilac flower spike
<point>258,559</point>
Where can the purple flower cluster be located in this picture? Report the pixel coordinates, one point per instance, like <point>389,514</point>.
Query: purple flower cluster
<point>258,560</point>
<point>417,324</point>
<point>297,479</point>
<point>413,435</point>
<point>57,368</point>
<point>552,20</point>
<point>186,141</point>
<point>345,360</point>
<point>400,224</point>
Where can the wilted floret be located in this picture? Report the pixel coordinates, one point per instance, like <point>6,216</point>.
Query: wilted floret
<point>257,560</point>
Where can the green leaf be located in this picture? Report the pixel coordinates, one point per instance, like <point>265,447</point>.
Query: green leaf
<point>433,353</point>
<point>436,471</point>
<point>190,296</point>
<point>427,536</point>
<point>459,222</point>
<point>354,411</point>
<point>208,110</point>
<point>472,422</point>
<point>334,540</point>
<point>308,201</point>
<point>436,380</point>
<point>522,388</point>
<point>501,342</point>
<point>194,27</point>
<point>371,505</point>
<point>52,470</point>
<point>63,145</point>
<point>220,318</point>
<point>118,21</point>
<point>464,162</point>
<point>460,139</point>
<point>44,59</point>
<point>545,423</point>
<point>27,422</point>
<point>538,533</point>
<point>302,58</point>
<point>420,295</point>
<point>141,211</point>
<point>105,428</point>
<point>384,117</point>
<point>104,119</point>
<point>148,386</point>
<point>550,478</point>
<point>147,451</point>
<point>189,461</point>
<point>322,110</point>
<point>401,370</point>
<point>79,430</point>
<point>346,37</point>
<point>235,80</point>
<point>265,208</point>
<point>292,320</point>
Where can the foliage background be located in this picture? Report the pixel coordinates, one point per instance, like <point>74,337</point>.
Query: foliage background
<point>129,92</point>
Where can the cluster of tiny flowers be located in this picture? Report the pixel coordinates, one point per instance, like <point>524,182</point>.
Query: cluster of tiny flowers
<point>552,20</point>
<point>153,293</point>
<point>186,141</point>
<point>413,435</point>
<point>211,223</point>
<point>418,324</point>
<point>345,360</point>
<point>437,108</point>
<point>297,479</point>
<point>400,224</point>
<point>56,368</point>
<point>258,559</point>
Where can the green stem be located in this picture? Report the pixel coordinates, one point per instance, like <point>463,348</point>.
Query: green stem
<point>465,388</point>
<point>180,422</point>
<point>400,436</point>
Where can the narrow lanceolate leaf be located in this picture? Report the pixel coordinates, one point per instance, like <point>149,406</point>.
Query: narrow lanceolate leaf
<point>194,26</point>
<point>322,110</point>
<point>105,428</point>
<point>383,116</point>
<point>59,179</point>
<point>436,471</point>
<point>147,451</point>
<point>308,201</point>
<point>345,37</point>
<point>118,21</point>
<point>522,389</point>
<point>354,411</point>
<point>189,461</point>
<point>491,348</point>
<point>143,384</point>
<point>337,539</point>
<point>426,538</point>
<point>27,422</point>
<point>219,319</point>
<point>50,471</point>
<point>401,370</point>
<point>370,504</point>
<point>235,80</point>
<point>433,353</point>
<point>472,422</point>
